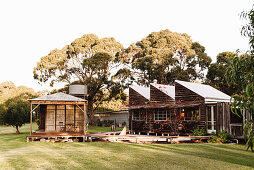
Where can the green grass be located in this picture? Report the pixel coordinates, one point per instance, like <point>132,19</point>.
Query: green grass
<point>15,153</point>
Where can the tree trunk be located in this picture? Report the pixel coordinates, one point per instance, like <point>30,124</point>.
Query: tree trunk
<point>17,130</point>
<point>90,107</point>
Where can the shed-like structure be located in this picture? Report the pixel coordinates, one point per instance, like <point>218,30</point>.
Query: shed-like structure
<point>60,114</point>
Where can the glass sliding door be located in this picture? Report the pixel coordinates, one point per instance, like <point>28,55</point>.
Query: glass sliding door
<point>211,118</point>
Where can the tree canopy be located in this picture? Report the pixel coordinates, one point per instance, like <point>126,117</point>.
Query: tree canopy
<point>166,56</point>
<point>216,75</point>
<point>9,90</point>
<point>87,60</point>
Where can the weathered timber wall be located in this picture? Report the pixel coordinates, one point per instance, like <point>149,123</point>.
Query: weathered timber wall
<point>158,96</point>
<point>223,117</point>
<point>135,98</point>
<point>64,118</point>
<point>183,94</point>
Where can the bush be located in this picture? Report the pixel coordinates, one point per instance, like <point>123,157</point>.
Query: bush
<point>98,123</point>
<point>199,132</point>
<point>223,137</point>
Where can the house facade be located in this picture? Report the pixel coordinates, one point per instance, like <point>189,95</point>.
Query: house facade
<point>179,109</point>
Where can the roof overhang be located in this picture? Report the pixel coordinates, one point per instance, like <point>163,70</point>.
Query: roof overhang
<point>159,105</point>
<point>58,102</point>
<point>216,100</point>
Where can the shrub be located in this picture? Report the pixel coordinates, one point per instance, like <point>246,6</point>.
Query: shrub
<point>223,137</point>
<point>199,132</point>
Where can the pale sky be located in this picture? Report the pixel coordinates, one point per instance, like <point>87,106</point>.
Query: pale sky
<point>30,29</point>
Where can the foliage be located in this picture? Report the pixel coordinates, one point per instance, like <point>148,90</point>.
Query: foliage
<point>223,137</point>
<point>166,56</point>
<point>249,134</point>
<point>216,75</point>
<point>199,132</point>
<point>9,90</point>
<point>115,104</point>
<point>16,112</point>
<point>241,73</point>
<point>87,60</point>
<point>104,123</point>
<point>2,113</point>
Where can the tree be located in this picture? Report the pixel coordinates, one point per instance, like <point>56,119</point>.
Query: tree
<point>216,75</point>
<point>241,72</point>
<point>16,112</point>
<point>9,90</point>
<point>166,56</point>
<point>87,60</point>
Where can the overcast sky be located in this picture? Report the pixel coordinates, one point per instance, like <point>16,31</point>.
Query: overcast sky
<point>30,29</point>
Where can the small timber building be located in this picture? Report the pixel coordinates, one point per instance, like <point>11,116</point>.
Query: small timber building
<point>179,109</point>
<point>60,114</point>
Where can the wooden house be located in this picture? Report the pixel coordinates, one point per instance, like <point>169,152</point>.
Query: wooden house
<point>178,109</point>
<point>60,114</point>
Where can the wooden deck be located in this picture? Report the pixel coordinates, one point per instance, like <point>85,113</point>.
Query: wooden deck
<point>130,138</point>
<point>112,137</point>
<point>57,137</point>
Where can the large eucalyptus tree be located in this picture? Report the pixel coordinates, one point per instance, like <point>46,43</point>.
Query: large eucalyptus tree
<point>167,56</point>
<point>88,60</point>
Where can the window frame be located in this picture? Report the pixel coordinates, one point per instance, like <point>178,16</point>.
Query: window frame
<point>159,112</point>
<point>139,115</point>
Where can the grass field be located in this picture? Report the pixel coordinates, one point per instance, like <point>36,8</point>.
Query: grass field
<point>15,153</point>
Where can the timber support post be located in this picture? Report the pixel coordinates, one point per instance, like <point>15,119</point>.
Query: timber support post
<point>31,119</point>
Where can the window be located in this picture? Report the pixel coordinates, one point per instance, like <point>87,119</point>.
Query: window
<point>136,115</point>
<point>191,113</point>
<point>161,114</point>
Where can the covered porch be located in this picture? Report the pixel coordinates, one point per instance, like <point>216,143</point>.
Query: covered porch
<point>167,119</point>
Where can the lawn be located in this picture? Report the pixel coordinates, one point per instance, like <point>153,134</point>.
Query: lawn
<point>15,153</point>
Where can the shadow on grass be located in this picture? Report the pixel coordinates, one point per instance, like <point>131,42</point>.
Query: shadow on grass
<point>210,151</point>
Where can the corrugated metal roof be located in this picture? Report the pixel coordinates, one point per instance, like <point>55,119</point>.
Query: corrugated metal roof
<point>208,92</point>
<point>144,91</point>
<point>58,97</point>
<point>167,89</point>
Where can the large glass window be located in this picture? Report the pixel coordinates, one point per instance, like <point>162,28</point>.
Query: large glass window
<point>191,113</point>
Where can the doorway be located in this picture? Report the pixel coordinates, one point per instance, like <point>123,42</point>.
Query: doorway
<point>211,118</point>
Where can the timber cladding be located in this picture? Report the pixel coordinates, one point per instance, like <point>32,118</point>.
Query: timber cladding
<point>158,96</point>
<point>64,118</point>
<point>135,98</point>
<point>183,94</point>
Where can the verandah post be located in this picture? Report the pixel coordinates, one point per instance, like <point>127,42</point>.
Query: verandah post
<point>31,119</point>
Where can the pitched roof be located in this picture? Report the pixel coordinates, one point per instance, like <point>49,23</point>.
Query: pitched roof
<point>58,97</point>
<point>209,93</point>
<point>144,91</point>
<point>167,89</point>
